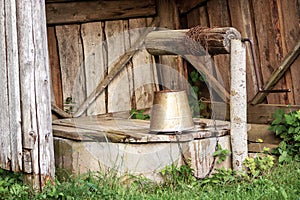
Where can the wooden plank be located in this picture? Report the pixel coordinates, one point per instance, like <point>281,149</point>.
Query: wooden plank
<point>219,17</point>
<point>35,92</point>
<point>262,113</point>
<point>186,6</point>
<point>119,90</point>
<point>288,77</point>
<point>143,68</point>
<point>278,73</point>
<point>260,132</point>
<point>61,1</point>
<point>71,63</point>
<point>193,17</point>
<point>87,11</point>
<point>169,70</point>
<point>241,19</point>
<point>289,16</point>
<point>203,18</point>
<point>14,113</point>
<point>265,14</point>
<point>259,147</point>
<point>4,118</point>
<point>129,130</point>
<point>256,114</point>
<point>55,67</point>
<point>78,134</point>
<point>94,63</point>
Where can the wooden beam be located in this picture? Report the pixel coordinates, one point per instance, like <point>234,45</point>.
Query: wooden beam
<point>277,74</point>
<point>256,114</point>
<point>61,1</point>
<point>186,6</point>
<point>261,131</point>
<point>171,42</point>
<point>86,11</point>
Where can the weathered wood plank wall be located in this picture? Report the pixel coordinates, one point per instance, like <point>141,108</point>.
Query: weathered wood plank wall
<point>274,28</point>
<point>84,61</point>
<point>25,120</point>
<point>87,48</point>
<point>85,52</point>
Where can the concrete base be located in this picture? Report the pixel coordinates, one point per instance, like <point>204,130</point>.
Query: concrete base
<point>146,159</point>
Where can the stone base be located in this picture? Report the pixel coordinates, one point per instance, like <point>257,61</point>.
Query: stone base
<point>146,159</point>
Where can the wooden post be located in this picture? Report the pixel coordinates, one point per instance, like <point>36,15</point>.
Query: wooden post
<point>38,151</point>
<point>10,115</point>
<point>238,104</point>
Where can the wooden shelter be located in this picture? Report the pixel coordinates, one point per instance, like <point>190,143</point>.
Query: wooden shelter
<point>77,44</point>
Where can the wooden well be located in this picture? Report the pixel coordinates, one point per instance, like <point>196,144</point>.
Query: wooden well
<point>126,146</point>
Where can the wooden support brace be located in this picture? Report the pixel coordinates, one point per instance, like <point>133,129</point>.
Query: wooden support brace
<point>59,111</point>
<point>115,69</point>
<point>277,74</point>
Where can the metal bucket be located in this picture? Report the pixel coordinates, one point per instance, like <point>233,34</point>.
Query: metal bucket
<point>170,112</point>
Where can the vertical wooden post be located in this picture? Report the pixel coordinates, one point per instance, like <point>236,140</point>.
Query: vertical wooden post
<point>10,115</point>
<point>38,153</point>
<point>238,104</point>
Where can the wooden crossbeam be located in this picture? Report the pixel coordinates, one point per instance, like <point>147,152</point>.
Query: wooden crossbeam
<point>62,12</point>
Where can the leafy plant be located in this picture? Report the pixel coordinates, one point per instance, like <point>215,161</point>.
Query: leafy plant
<point>178,175</point>
<point>196,76</point>
<point>221,154</point>
<point>287,127</point>
<point>260,165</point>
<point>139,114</point>
<point>222,176</point>
<point>69,105</point>
<point>11,185</point>
<point>195,103</point>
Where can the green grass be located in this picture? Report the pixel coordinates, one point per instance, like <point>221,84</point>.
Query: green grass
<point>283,182</point>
